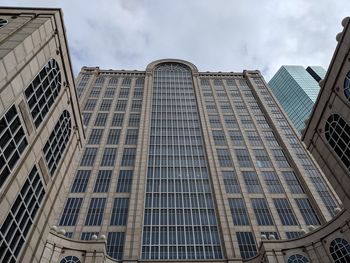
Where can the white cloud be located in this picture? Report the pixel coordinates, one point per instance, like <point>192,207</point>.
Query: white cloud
<point>221,35</point>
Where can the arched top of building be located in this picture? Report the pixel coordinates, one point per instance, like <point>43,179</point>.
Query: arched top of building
<point>151,66</point>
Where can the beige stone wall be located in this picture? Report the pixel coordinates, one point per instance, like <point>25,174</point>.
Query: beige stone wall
<point>28,41</point>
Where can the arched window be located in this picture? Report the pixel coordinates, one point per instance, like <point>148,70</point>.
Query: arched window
<point>297,258</point>
<point>347,86</point>
<point>43,91</point>
<point>337,133</point>
<point>57,142</point>
<point>340,250</point>
<point>70,259</point>
<point>3,22</point>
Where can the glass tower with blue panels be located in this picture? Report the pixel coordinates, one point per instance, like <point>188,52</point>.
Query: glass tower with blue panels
<point>296,89</point>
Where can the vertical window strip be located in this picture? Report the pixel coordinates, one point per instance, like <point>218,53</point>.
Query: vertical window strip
<point>115,244</point>
<point>43,91</point>
<point>307,211</point>
<point>13,142</point>
<point>56,144</point>
<point>95,213</point>
<point>238,212</point>
<point>109,156</point>
<point>262,212</point>
<point>246,244</point>
<point>285,212</point>
<point>103,181</point>
<point>124,181</point>
<point>71,212</point>
<point>120,212</point>
<point>17,224</point>
<point>80,181</point>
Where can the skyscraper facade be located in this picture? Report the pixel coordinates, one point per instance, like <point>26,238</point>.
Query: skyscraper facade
<point>296,89</point>
<point>185,165</point>
<point>177,164</point>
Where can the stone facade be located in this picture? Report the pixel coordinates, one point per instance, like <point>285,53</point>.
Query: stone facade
<point>29,42</point>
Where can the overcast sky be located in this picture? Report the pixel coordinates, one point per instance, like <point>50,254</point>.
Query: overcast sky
<point>215,35</point>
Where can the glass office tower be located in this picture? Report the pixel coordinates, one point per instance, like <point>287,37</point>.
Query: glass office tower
<point>296,89</point>
<point>186,165</point>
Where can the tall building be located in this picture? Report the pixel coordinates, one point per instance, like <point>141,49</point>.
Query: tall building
<point>178,164</point>
<point>296,89</point>
<point>41,130</point>
<point>184,165</point>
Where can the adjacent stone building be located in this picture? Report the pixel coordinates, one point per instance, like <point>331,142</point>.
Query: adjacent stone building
<point>177,165</point>
<point>41,130</point>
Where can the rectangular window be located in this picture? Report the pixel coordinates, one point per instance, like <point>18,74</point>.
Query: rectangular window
<point>247,122</point>
<point>273,184</point>
<point>134,120</point>
<point>124,93</point>
<point>117,120</point>
<point>86,118</point>
<point>136,106</point>
<point>294,234</point>
<point>254,138</point>
<point>113,136</point>
<point>129,157</point>
<point>12,142</point>
<point>124,181</point>
<point>95,213</point>
<point>262,121</point>
<point>90,105</point>
<point>105,105</point>
<point>281,159</point>
<point>224,157</point>
<point>115,244</point>
<point>18,221</point>
<point>285,212</point>
<point>230,122</point>
<point>243,158</point>
<point>262,212</point>
<point>231,182</point>
<point>238,211</point>
<point>95,136</point>
<point>214,121</point>
<point>88,235</point>
<point>121,105</point>
<point>95,92</point>
<point>120,212</point>
<point>81,181</point>
<point>236,137</point>
<point>262,160</point>
<point>307,212</point>
<point>109,93</point>
<point>293,183</point>
<point>252,181</point>
<point>138,93</point>
<point>131,136</point>
<point>246,244</point>
<point>219,137</point>
<point>89,156</point>
<point>101,119</point>
<point>71,212</point>
<point>270,138</point>
<point>109,156</point>
<point>103,181</point>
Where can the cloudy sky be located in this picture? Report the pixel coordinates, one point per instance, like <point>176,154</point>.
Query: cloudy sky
<point>215,35</point>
